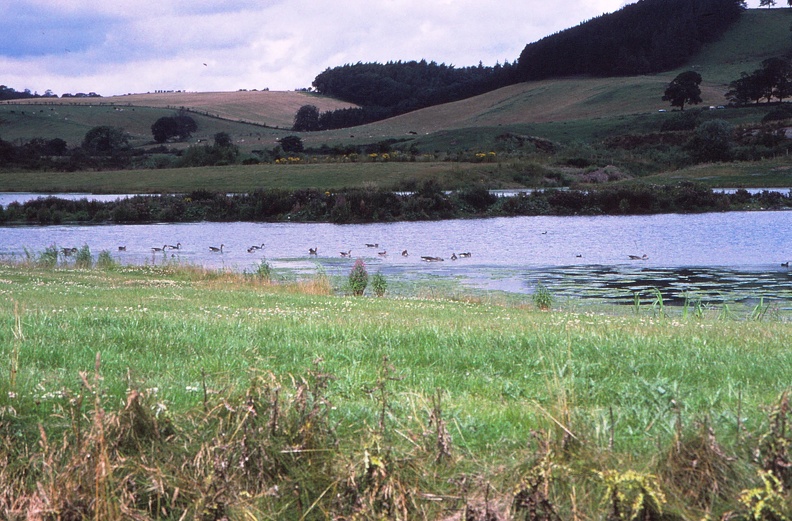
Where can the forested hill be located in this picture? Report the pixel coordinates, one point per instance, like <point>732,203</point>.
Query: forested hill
<point>645,37</point>
<point>393,88</point>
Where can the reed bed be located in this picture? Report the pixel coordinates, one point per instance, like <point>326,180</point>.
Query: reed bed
<point>174,392</point>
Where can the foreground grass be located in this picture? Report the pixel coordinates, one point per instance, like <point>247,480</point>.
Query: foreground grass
<point>170,391</point>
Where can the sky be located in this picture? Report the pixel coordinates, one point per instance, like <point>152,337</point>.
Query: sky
<point>133,46</point>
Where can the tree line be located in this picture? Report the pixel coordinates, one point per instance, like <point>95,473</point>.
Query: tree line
<point>427,202</point>
<point>9,93</point>
<point>772,80</point>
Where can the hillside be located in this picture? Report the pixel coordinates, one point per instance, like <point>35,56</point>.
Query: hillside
<point>273,109</point>
<point>758,35</point>
<point>270,108</point>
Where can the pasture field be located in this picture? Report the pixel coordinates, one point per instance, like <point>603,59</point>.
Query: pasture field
<point>171,390</point>
<point>505,174</point>
<point>245,178</point>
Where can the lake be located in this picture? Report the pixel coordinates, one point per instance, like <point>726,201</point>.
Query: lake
<point>717,257</point>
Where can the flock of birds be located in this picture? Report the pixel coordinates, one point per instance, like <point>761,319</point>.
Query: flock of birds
<point>311,251</point>
<point>404,253</point>
<point>67,252</point>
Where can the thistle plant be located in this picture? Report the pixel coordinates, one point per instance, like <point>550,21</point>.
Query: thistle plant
<point>358,278</point>
<point>542,297</point>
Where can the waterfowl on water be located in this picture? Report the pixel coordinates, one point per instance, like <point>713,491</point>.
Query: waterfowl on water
<point>453,256</point>
<point>346,253</point>
<point>313,251</point>
<point>375,245</point>
<point>431,259</point>
<point>122,248</point>
<point>636,257</point>
<point>405,254</point>
<point>172,247</point>
<point>68,251</point>
<point>785,264</point>
<point>155,249</point>
<point>215,249</point>
<point>465,255</point>
<point>255,247</point>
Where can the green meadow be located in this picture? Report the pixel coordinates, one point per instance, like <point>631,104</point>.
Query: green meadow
<point>172,391</point>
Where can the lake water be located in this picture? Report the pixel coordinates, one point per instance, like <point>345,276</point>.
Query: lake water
<point>717,257</point>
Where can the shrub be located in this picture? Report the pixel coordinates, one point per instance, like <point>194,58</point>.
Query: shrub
<point>777,115</point>
<point>83,258</point>
<point>712,141</point>
<point>358,278</point>
<point>379,284</point>
<point>542,297</point>
<point>263,271</point>
<point>681,121</point>
<point>105,261</point>
<point>49,257</point>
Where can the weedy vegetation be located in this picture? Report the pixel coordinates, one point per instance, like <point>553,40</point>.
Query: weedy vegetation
<point>174,392</point>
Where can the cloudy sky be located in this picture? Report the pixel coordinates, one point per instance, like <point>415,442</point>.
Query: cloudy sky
<point>121,46</point>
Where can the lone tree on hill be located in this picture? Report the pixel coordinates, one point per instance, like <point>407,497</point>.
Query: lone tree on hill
<point>105,140</point>
<point>180,125</point>
<point>684,89</point>
<point>306,119</point>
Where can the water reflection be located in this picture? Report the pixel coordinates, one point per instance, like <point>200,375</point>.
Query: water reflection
<point>727,256</point>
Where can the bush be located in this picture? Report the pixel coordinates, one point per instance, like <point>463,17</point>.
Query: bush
<point>777,115</point>
<point>379,284</point>
<point>712,141</point>
<point>358,278</point>
<point>681,121</point>
<point>542,297</point>
<point>83,258</point>
<point>263,271</point>
<point>49,257</point>
<point>105,261</point>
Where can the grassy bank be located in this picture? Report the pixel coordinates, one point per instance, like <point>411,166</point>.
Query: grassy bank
<point>246,178</point>
<point>172,390</point>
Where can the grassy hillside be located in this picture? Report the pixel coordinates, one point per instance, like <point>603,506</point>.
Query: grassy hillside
<point>71,122</point>
<point>758,35</point>
<point>252,118</point>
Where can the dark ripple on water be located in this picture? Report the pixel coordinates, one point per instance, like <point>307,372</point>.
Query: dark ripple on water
<point>676,285</point>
